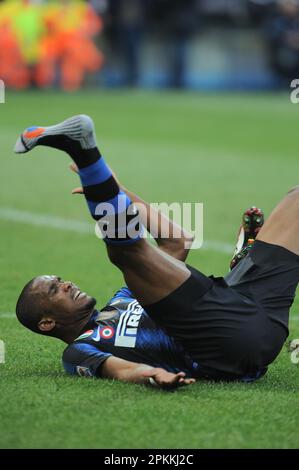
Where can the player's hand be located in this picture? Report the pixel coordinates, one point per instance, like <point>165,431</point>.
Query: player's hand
<point>168,380</point>
<point>80,190</point>
<point>74,168</point>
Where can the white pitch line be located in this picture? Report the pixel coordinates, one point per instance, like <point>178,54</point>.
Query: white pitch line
<point>221,247</point>
<point>7,315</point>
<point>40,220</point>
<point>71,225</point>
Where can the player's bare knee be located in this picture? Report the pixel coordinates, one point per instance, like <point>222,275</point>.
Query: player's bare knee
<point>124,256</point>
<point>116,256</point>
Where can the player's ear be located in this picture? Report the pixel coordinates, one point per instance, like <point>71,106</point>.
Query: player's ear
<point>46,324</point>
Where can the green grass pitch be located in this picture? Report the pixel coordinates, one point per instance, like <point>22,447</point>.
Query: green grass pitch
<point>228,151</point>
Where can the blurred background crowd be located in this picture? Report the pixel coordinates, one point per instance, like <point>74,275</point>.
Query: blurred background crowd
<point>199,44</point>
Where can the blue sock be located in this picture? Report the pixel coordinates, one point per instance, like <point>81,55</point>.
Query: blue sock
<point>116,215</point>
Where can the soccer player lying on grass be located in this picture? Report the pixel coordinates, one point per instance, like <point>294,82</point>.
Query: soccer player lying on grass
<point>194,326</point>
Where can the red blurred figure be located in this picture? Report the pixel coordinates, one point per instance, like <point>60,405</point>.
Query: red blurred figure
<point>37,41</point>
<point>13,67</point>
<point>68,44</point>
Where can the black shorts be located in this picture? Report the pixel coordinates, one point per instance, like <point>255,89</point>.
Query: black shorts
<point>234,327</point>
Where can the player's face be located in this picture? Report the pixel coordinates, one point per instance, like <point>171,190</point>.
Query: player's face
<point>63,299</point>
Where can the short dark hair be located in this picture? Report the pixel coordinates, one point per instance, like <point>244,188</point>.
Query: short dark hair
<point>28,308</point>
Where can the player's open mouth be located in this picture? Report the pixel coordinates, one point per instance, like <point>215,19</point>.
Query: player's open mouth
<point>79,294</point>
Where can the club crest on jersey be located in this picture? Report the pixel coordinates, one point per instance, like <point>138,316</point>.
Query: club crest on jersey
<point>85,335</point>
<point>104,332</point>
<point>107,332</point>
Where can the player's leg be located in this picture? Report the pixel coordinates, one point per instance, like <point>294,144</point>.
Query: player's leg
<point>150,273</point>
<point>170,237</point>
<point>282,226</point>
<point>270,273</point>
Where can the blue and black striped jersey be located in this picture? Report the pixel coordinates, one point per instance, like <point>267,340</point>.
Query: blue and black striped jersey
<point>123,329</point>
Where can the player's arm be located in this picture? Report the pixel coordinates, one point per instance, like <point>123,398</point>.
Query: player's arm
<point>178,241</point>
<point>126,371</point>
<point>86,360</point>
